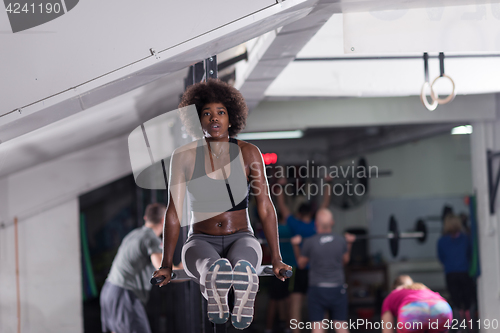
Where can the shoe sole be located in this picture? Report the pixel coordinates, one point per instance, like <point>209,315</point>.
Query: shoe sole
<point>217,283</point>
<point>245,285</point>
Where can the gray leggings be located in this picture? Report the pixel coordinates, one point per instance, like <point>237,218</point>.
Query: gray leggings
<point>201,250</point>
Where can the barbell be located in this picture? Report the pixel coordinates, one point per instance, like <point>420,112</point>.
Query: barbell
<point>420,233</point>
<point>394,236</point>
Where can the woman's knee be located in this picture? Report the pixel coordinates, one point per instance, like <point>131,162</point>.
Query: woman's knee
<point>248,249</point>
<point>196,255</point>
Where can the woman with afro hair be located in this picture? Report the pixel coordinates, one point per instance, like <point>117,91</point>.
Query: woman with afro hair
<point>218,173</point>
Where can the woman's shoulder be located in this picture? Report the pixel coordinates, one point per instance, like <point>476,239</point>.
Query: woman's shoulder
<point>188,146</point>
<point>186,152</point>
<point>248,149</point>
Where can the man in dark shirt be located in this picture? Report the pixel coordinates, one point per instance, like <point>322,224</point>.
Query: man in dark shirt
<point>326,253</point>
<point>127,286</point>
<point>302,223</point>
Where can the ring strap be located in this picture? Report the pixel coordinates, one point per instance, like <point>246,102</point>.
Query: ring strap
<point>441,64</point>
<point>426,66</point>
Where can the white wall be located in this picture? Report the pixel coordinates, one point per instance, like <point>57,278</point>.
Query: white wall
<point>100,71</point>
<point>486,136</point>
<point>44,58</point>
<point>439,166</point>
<point>50,272</point>
<point>45,199</point>
<point>347,112</point>
<point>426,174</point>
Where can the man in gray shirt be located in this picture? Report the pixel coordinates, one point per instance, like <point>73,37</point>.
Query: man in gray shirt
<point>127,287</point>
<point>326,253</point>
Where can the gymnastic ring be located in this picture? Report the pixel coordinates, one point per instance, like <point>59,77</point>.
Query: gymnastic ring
<point>450,96</point>
<point>423,98</point>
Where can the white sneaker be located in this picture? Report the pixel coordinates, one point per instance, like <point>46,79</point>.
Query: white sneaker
<point>245,285</point>
<point>217,283</point>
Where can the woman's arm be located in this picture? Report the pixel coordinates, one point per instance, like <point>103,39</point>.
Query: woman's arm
<point>265,207</point>
<point>173,216</point>
<point>387,317</point>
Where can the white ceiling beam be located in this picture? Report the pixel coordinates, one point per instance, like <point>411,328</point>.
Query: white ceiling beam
<point>95,125</point>
<point>275,50</point>
<point>457,28</point>
<point>17,119</point>
<point>344,77</point>
<point>278,49</point>
<point>348,112</point>
<point>396,136</point>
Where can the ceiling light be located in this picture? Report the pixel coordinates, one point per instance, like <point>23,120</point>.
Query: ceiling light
<point>467,129</point>
<point>271,135</point>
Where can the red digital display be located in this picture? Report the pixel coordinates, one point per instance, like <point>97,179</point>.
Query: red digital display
<point>270,158</point>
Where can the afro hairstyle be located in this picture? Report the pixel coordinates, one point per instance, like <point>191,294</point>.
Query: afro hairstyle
<point>215,91</point>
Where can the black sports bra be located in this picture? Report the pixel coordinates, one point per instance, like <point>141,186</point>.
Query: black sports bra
<point>208,195</point>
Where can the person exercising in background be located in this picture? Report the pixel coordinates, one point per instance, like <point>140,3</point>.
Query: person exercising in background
<point>127,287</point>
<point>416,309</point>
<point>326,253</point>
<point>455,251</point>
<point>301,224</point>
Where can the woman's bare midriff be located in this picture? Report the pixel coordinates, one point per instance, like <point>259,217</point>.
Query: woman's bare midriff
<point>224,224</point>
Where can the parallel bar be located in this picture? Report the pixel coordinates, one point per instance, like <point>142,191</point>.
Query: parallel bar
<point>179,275</point>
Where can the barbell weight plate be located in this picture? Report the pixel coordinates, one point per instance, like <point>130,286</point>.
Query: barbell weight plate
<point>394,241</point>
<point>421,227</point>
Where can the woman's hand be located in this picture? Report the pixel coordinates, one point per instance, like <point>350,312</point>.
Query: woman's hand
<point>166,273</point>
<point>279,265</point>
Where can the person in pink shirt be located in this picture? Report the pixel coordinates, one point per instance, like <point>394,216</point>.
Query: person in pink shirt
<point>413,308</point>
